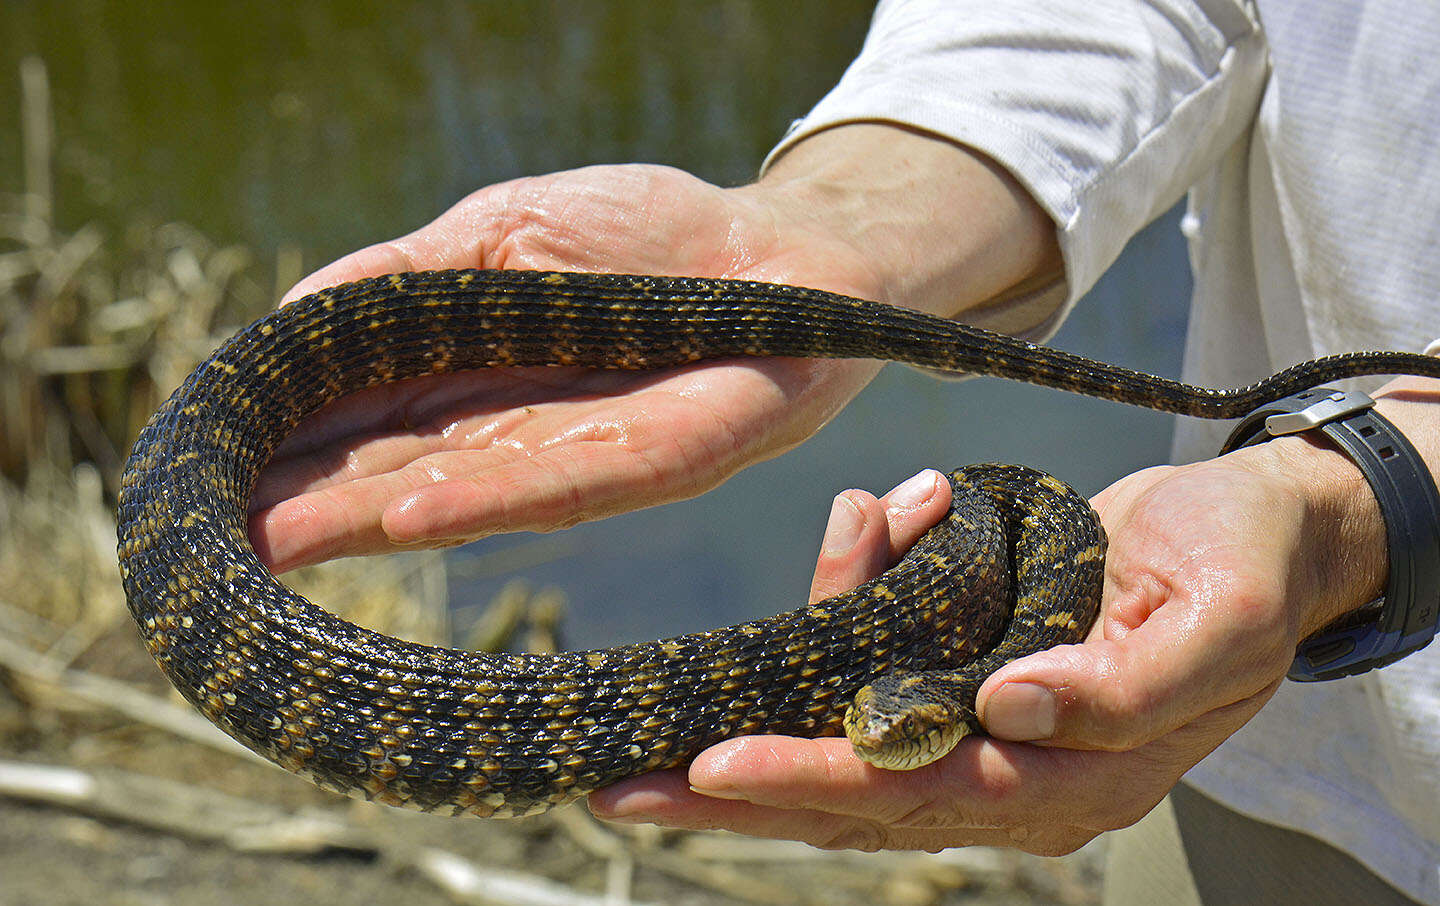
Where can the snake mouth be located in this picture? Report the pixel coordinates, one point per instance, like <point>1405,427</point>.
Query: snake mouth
<point>900,738</point>
<point>894,754</point>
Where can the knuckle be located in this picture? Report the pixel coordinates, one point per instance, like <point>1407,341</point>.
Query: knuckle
<point>1255,613</point>
<point>930,814</point>
<point>1122,717</point>
<point>865,836</point>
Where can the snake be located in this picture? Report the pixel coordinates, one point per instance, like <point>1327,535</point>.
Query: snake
<point>1016,566</point>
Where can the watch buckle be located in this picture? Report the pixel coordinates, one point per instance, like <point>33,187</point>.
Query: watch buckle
<point>1331,407</point>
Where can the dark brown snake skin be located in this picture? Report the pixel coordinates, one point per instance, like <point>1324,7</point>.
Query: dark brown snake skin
<point>1016,566</point>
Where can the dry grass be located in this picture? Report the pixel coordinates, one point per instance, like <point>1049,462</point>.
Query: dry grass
<point>95,331</point>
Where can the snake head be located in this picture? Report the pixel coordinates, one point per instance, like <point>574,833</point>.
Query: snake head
<point>904,722</point>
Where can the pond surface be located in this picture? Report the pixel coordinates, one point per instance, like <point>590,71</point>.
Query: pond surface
<point>325,126</point>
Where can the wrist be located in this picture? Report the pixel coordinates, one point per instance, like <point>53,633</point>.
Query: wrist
<point>1347,537</point>
<point>943,227</point>
<point>1342,558</point>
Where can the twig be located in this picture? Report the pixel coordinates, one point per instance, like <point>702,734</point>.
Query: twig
<point>36,129</point>
<point>19,621</point>
<point>546,612</point>
<point>121,698</point>
<point>471,883</point>
<point>177,808</point>
<point>619,875</point>
<point>54,360</point>
<point>500,619</point>
<point>589,835</point>
<point>202,814</point>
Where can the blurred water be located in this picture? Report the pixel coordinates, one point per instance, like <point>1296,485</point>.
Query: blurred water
<point>328,125</point>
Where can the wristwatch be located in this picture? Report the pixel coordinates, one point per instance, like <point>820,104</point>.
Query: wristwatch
<point>1404,620</point>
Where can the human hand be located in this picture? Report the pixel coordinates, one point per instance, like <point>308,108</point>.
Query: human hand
<point>866,210</point>
<point>1214,572</point>
<point>438,461</point>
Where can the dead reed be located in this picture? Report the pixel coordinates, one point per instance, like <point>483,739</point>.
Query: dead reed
<point>95,330</point>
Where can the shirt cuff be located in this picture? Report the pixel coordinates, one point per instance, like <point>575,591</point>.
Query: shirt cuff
<point>1106,112</point>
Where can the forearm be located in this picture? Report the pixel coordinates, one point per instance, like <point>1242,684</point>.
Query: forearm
<point>942,227</point>
<point>1105,112</point>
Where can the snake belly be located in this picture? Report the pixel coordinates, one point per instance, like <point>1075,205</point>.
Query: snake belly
<point>1015,567</point>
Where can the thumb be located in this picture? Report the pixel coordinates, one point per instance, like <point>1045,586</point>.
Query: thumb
<point>373,261</point>
<point>865,536</point>
<point>1116,694</point>
<point>457,238</point>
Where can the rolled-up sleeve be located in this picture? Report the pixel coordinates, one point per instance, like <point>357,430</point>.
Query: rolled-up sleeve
<point>1107,111</point>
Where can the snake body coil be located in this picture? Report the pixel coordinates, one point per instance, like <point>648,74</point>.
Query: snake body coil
<point>1015,567</point>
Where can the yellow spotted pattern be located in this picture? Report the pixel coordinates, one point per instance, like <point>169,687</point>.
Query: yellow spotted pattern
<point>1015,567</point>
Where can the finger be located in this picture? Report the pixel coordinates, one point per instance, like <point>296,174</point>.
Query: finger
<point>519,468</point>
<point>1028,796</point>
<point>856,545</point>
<point>981,784</point>
<point>634,439</point>
<point>444,499</point>
<point>447,497</point>
<point>664,798</point>
<point>313,528</point>
<point>914,507</point>
<point>358,458</point>
<point>865,536</point>
<point>390,257</point>
<point>1186,658</point>
<point>457,238</point>
<point>384,428</point>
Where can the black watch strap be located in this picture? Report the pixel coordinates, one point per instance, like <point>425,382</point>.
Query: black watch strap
<point>1404,620</point>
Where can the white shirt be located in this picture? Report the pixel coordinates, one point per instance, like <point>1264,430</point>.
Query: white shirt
<point>1308,137</point>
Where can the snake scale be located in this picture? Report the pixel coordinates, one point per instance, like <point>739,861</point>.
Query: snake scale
<point>1015,567</point>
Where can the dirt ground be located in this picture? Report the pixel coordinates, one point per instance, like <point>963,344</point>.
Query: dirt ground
<point>55,856</point>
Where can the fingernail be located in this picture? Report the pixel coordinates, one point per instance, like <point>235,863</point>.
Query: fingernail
<point>638,807</point>
<point>717,792</point>
<point>625,819</point>
<point>713,771</point>
<point>843,529</point>
<point>915,490</point>
<point>1021,712</point>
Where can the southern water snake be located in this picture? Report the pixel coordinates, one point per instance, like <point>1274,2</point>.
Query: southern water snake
<point>1015,567</point>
